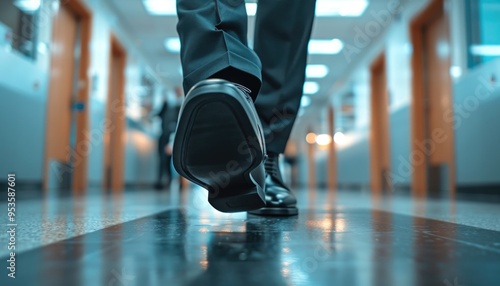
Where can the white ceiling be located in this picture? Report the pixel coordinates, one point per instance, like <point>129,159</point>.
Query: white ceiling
<point>149,33</point>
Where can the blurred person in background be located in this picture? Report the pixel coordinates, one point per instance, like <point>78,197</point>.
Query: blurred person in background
<point>168,115</point>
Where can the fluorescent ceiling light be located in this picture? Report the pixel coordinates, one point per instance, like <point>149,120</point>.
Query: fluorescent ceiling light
<point>305,101</point>
<point>324,8</point>
<point>28,6</point>
<point>173,45</point>
<point>251,9</point>
<point>485,50</point>
<point>168,7</point>
<point>160,7</point>
<point>325,47</point>
<point>316,71</point>
<point>311,87</point>
<point>342,8</point>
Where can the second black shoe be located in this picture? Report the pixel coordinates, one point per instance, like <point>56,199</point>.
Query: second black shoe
<point>280,201</point>
<point>219,145</point>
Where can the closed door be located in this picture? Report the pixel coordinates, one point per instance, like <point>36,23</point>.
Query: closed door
<point>438,102</point>
<point>114,136</point>
<point>379,136</point>
<point>61,93</point>
<point>332,155</point>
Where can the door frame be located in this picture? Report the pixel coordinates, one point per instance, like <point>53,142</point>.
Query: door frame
<point>116,50</point>
<point>418,107</point>
<point>79,179</point>
<point>376,142</point>
<point>332,155</point>
<point>311,164</point>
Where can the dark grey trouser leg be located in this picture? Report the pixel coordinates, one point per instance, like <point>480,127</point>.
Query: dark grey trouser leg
<point>282,32</point>
<point>213,36</point>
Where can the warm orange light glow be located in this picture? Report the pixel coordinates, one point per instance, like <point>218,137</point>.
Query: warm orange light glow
<point>311,138</point>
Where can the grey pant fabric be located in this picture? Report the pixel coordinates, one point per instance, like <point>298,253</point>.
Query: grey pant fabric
<point>214,44</point>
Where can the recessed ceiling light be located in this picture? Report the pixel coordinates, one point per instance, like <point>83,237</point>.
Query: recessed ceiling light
<point>342,8</point>
<point>316,71</point>
<point>485,50</point>
<point>28,6</point>
<point>311,87</point>
<point>173,45</point>
<point>325,47</point>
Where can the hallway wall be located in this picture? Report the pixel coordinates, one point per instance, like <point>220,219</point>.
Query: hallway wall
<point>476,96</point>
<point>22,125</point>
<point>23,97</point>
<point>140,144</point>
<point>353,162</point>
<point>23,92</point>
<point>477,126</point>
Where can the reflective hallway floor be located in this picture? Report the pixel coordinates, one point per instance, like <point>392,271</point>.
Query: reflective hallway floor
<point>176,238</point>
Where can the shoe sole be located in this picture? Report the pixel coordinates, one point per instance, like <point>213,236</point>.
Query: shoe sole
<point>219,146</point>
<point>275,211</point>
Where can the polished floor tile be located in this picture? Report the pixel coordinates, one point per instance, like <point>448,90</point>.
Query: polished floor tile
<point>175,238</point>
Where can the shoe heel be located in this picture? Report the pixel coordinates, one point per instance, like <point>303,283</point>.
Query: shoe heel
<point>247,201</point>
<point>245,193</point>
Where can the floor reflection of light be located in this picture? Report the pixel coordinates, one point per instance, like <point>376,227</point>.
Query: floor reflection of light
<point>204,264</point>
<point>204,260</point>
<point>296,274</point>
<point>340,225</point>
<point>285,272</point>
<point>326,224</point>
<point>289,266</point>
<point>204,229</point>
<point>286,250</point>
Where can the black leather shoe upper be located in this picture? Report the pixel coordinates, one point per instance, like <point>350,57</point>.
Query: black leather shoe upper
<point>277,193</point>
<point>219,145</point>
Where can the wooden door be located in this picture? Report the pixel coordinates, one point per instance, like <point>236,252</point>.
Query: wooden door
<point>59,110</point>
<point>379,135</point>
<point>438,103</point>
<point>311,164</point>
<point>332,155</point>
<point>432,134</point>
<point>114,139</point>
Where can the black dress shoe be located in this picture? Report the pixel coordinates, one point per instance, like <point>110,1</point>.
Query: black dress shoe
<point>219,145</point>
<point>280,201</point>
